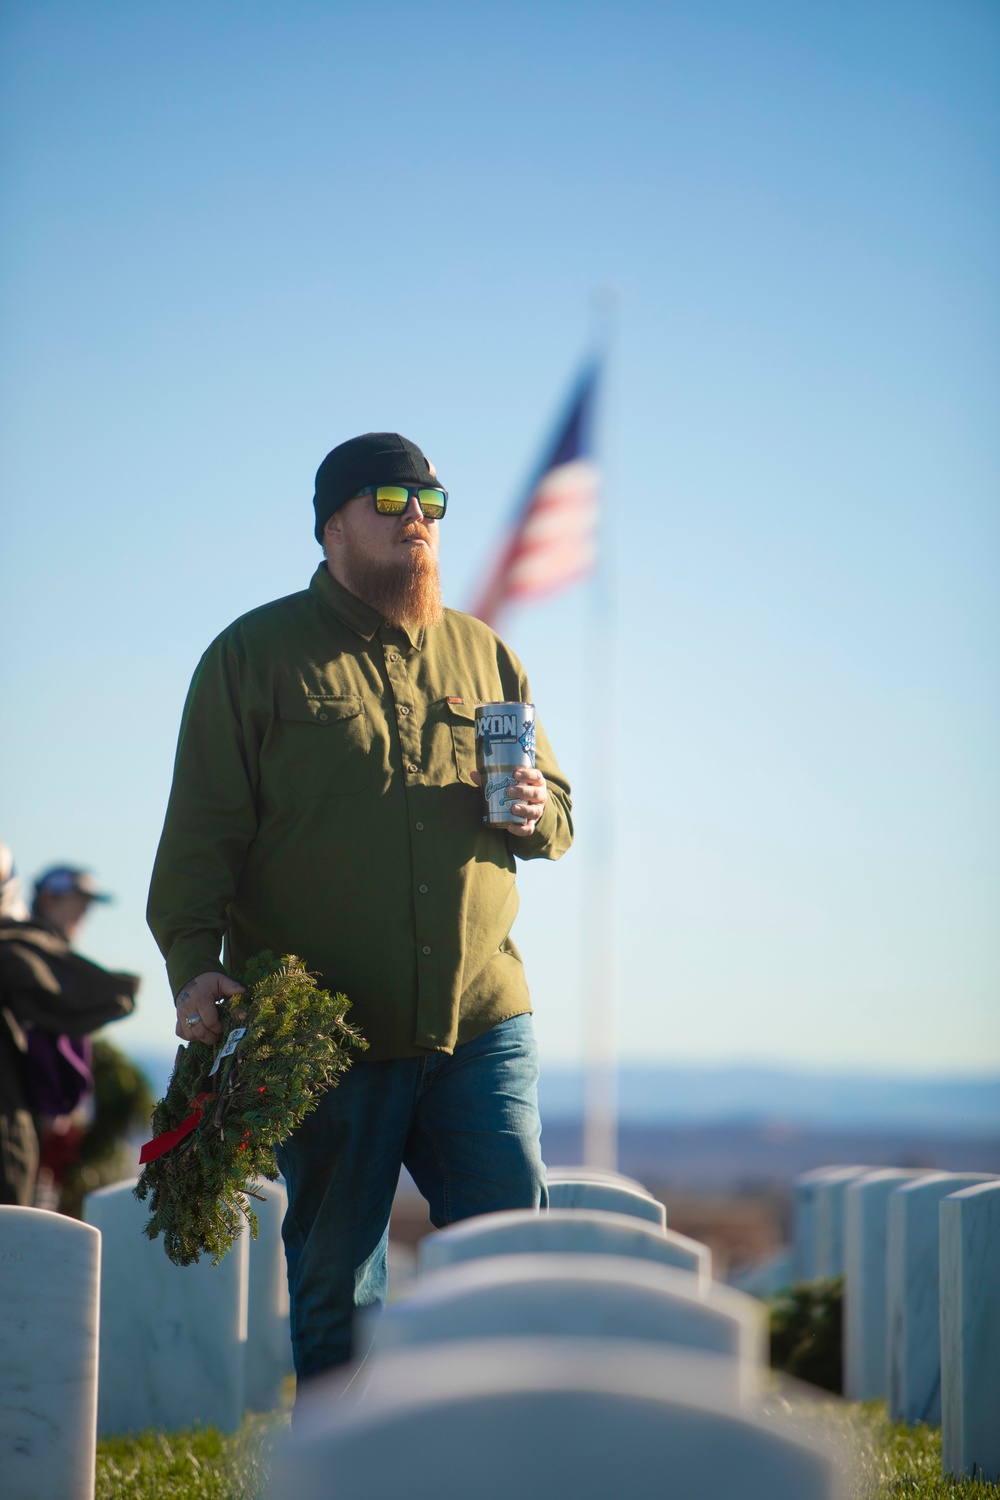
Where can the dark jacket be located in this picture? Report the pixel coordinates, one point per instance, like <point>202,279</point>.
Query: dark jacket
<point>44,987</point>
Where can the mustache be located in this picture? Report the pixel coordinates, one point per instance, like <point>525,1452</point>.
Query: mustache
<point>414,529</point>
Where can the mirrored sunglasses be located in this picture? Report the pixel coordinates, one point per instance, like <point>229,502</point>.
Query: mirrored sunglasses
<point>392,499</point>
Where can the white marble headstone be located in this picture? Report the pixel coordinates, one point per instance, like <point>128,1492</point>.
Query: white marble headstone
<point>804,1222</point>
<point>566,1231</point>
<point>49,1275</point>
<point>912,1260</point>
<point>969,1223</point>
<point>594,1174</point>
<point>543,1419</point>
<point>806,1225</point>
<point>765,1278</point>
<point>578,1192</point>
<point>269,1338</point>
<point>830,1193</point>
<point>173,1339</point>
<point>866,1212</point>
<point>579,1296</point>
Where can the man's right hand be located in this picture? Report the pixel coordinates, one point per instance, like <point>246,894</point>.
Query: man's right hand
<point>198,999</point>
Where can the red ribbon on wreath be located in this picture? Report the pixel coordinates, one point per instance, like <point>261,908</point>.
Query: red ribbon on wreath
<point>168,1139</point>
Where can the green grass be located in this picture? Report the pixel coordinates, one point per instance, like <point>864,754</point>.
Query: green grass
<point>905,1462</point>
<point>197,1464</point>
<point>897,1463</point>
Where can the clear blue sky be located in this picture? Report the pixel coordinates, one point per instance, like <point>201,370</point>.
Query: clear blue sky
<point>236,234</point>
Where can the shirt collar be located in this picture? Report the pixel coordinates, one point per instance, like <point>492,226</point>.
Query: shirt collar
<point>354,612</point>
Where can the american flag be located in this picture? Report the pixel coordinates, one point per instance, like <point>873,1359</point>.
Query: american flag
<point>552,541</point>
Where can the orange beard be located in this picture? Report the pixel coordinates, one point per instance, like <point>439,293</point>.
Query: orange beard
<point>407,592</point>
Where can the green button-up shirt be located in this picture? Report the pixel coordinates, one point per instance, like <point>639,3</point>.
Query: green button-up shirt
<point>323,805</point>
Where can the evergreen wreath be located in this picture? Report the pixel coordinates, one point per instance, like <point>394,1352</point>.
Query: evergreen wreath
<point>227,1108</point>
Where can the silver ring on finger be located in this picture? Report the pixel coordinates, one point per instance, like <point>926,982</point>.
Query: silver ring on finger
<point>191,1020</point>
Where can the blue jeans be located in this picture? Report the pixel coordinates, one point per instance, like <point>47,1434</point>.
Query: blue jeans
<point>467,1129</point>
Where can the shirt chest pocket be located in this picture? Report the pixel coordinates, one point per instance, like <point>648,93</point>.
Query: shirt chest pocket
<point>325,745</point>
<point>461,718</point>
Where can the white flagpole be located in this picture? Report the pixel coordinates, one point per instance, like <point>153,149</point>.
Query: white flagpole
<point>600,945</point>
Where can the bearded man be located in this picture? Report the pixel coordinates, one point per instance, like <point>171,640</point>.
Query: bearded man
<point>325,803</point>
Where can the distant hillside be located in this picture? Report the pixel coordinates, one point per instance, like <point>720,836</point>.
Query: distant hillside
<point>661,1095</point>
<point>841,1101</point>
<point>752,1158</point>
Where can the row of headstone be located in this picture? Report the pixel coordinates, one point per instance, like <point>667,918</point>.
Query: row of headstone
<point>102,1334</point>
<point>920,1254</point>
<point>584,1350</point>
<point>177,1345</point>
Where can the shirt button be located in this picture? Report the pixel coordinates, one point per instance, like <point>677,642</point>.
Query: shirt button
<point>426,949</point>
<point>420,827</point>
<point>394,656</point>
<point>422,889</point>
<point>322,718</point>
<point>404,710</point>
<point>413,770</point>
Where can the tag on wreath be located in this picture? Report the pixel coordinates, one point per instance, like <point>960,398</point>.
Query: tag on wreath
<point>228,1048</point>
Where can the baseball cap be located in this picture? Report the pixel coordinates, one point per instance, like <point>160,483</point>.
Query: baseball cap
<point>64,880</point>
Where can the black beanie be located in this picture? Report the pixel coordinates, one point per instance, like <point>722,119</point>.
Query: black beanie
<point>373,458</point>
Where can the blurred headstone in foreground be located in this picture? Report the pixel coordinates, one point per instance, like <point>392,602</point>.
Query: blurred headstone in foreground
<point>580,1296</point>
<point>577,1192</point>
<point>544,1418</point>
<point>50,1266</point>
<point>562,1231</point>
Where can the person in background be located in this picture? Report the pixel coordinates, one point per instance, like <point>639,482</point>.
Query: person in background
<point>11,901</point>
<point>51,999</point>
<point>63,896</point>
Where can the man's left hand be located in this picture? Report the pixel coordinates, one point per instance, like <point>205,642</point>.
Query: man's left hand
<point>528,798</point>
